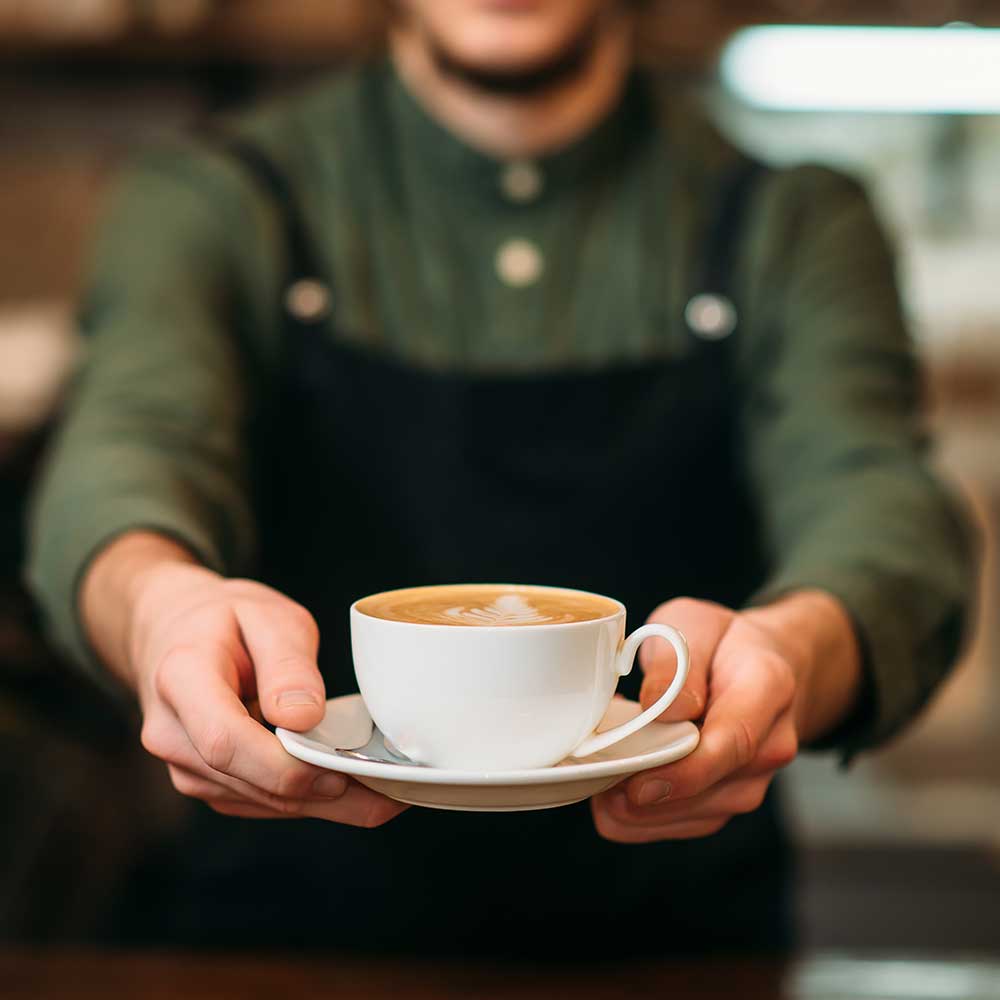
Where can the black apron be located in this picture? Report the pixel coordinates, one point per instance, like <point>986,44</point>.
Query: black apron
<point>374,474</point>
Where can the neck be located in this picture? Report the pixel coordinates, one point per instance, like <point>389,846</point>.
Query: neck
<point>516,125</point>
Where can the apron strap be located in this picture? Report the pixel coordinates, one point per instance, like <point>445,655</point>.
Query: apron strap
<point>712,314</point>
<point>308,289</point>
<point>725,232</point>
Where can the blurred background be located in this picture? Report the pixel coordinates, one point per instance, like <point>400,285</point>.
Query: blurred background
<point>900,852</point>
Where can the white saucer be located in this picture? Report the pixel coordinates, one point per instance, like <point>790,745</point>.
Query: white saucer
<point>497,791</point>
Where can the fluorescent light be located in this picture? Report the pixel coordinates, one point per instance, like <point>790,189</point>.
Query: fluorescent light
<point>949,70</point>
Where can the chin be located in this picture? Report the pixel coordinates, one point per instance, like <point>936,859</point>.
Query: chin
<point>505,36</point>
<point>512,49</point>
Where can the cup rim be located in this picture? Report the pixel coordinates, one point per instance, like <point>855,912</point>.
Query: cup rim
<point>507,629</point>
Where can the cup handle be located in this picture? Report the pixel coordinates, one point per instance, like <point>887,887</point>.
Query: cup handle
<point>623,666</point>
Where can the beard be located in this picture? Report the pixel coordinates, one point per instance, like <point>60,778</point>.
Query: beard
<point>559,69</point>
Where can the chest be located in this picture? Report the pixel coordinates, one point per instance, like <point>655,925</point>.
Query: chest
<point>556,275</point>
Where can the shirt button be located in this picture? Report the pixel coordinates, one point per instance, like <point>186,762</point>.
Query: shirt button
<point>711,317</point>
<point>521,181</point>
<point>519,263</point>
<point>308,300</point>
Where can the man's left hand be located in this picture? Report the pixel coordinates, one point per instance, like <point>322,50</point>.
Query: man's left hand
<point>754,679</point>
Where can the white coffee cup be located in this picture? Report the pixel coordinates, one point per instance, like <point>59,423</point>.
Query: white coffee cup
<point>498,697</point>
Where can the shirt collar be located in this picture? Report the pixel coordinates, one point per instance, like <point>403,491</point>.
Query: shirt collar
<point>463,169</point>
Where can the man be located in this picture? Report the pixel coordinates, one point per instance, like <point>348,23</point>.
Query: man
<point>541,325</point>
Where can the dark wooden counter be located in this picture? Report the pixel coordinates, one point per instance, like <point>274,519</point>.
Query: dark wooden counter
<point>41,975</point>
<point>171,976</point>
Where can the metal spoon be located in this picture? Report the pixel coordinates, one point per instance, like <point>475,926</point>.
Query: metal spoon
<point>358,737</point>
<point>378,750</point>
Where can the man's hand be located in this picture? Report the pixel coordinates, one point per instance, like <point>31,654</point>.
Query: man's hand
<point>209,658</point>
<point>762,680</point>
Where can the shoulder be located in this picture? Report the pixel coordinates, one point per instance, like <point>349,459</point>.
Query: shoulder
<point>303,134</point>
<point>706,159</point>
<point>701,157</point>
<point>325,115</point>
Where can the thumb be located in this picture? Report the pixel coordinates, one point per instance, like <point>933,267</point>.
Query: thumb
<point>282,639</point>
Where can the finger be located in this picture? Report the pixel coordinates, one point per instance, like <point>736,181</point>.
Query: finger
<point>199,685</point>
<point>779,749</point>
<point>240,808</point>
<point>196,781</point>
<point>164,736</point>
<point>655,787</point>
<point>253,710</point>
<point>636,835</point>
<point>193,779</point>
<point>610,829</point>
<point>736,725</point>
<point>359,806</point>
<point>191,776</point>
<point>728,798</point>
<point>196,786</point>
<point>283,640</point>
<point>703,624</point>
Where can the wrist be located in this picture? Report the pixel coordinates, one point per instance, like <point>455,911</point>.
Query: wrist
<point>116,589</point>
<point>816,635</point>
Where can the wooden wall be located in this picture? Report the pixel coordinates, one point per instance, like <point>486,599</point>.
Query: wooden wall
<point>291,31</point>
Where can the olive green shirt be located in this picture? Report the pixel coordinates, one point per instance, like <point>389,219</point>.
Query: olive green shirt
<point>448,258</point>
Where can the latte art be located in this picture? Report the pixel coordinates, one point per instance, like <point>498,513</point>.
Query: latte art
<point>487,606</point>
<point>510,609</point>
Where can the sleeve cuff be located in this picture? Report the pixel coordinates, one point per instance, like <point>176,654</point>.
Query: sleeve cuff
<point>64,554</point>
<point>901,648</point>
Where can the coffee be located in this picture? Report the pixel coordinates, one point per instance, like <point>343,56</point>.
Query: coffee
<point>487,605</point>
<point>478,697</point>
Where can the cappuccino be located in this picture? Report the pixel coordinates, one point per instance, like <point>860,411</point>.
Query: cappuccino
<point>495,605</point>
<point>490,677</point>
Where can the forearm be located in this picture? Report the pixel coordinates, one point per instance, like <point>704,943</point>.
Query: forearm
<point>155,435</point>
<point>821,643</point>
<point>109,593</point>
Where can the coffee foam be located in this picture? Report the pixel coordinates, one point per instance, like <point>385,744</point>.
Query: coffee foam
<point>486,606</point>
<point>509,609</point>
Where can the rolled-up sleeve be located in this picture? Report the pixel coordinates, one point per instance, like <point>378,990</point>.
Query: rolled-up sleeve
<point>837,449</point>
<point>153,435</point>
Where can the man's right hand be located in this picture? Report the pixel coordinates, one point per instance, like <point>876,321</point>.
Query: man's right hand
<point>208,657</point>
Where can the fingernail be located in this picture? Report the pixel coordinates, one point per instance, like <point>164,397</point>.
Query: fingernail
<point>653,792</point>
<point>297,699</point>
<point>330,786</point>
